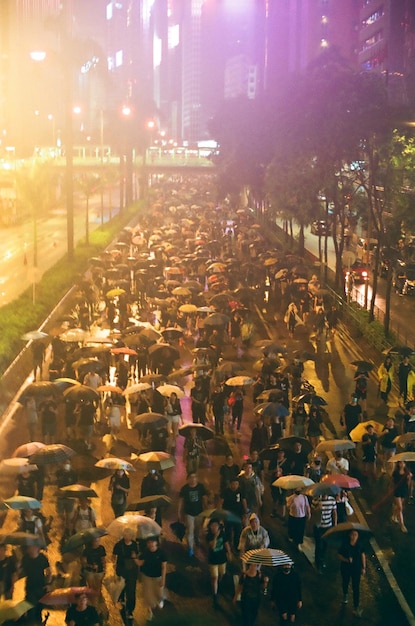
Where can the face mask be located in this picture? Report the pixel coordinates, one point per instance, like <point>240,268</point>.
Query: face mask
<point>67,467</point>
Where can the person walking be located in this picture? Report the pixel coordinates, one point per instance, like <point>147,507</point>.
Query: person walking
<point>219,552</point>
<point>286,593</point>
<point>93,563</point>
<point>192,449</point>
<point>253,536</point>
<point>119,486</point>
<point>403,371</point>
<point>81,613</point>
<point>174,410</point>
<point>237,407</point>
<point>153,566</point>
<point>193,499</point>
<point>401,480</point>
<point>352,567</point>
<point>326,505</point>
<point>8,573</point>
<point>386,440</point>
<point>249,589</point>
<point>84,516</point>
<point>298,513</point>
<point>313,426</point>
<point>126,553</point>
<point>385,375</point>
<point>351,415</point>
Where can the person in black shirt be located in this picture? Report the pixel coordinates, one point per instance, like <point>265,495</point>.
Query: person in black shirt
<point>218,553</point>
<point>35,566</point>
<point>81,614</point>
<point>26,484</point>
<point>65,476</point>
<point>126,551</point>
<point>353,565</point>
<point>193,499</point>
<point>8,573</point>
<point>298,460</point>
<point>153,563</point>
<point>386,440</point>
<point>227,472</point>
<point>232,500</point>
<point>286,593</point>
<point>93,562</point>
<point>119,486</point>
<point>351,415</point>
<point>218,409</point>
<point>153,484</point>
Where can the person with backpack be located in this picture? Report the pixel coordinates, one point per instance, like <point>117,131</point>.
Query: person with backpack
<point>84,516</point>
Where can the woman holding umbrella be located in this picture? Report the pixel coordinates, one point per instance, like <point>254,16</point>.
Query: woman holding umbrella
<point>119,487</point>
<point>352,566</point>
<point>401,480</point>
<point>174,411</point>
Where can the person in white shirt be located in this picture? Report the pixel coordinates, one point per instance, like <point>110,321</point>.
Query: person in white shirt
<point>338,464</point>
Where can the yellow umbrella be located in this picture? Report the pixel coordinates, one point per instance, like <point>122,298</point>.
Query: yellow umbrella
<point>357,433</point>
<point>270,261</point>
<point>188,308</point>
<point>113,293</point>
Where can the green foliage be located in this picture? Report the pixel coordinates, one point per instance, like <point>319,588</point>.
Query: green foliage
<point>372,331</point>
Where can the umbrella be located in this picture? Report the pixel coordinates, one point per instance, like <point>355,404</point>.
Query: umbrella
<point>171,334</point>
<point>74,335</point>
<point>203,432</point>
<point>323,489</point>
<point>259,364</point>
<point>136,388</point>
<point>363,366</point>
<point>267,556</point>
<point>113,463</point>
<point>341,480</point>
<point>217,319</point>
<point>152,378</point>
<point>114,293</point>
<point>142,525</point>
<point>150,419</point>
<point>293,482</point>
<point>269,453</point>
<point>124,350</point>
<point>205,309</point>
<point>229,368</point>
<point>188,308</point>
<point>52,453</point>
<point>157,460</point>
<point>220,514</point>
<point>310,398</point>
<point>65,383</point>
<point>163,351</point>
<point>149,502</point>
<point>82,538</point>
<point>344,528</point>
<point>22,539</point>
<point>270,261</point>
<point>403,439</point>
<point>335,445</point>
<point>12,610</point>
<point>401,350</point>
<point>167,390</point>
<point>288,443</point>
<point>66,595</point>
<point>402,456</point>
<point>78,491</point>
<point>356,434</point>
<point>81,392</point>
<point>114,585</point>
<point>18,503</point>
<point>17,465</point>
<point>89,364</point>
<point>40,388</point>
<point>239,381</point>
<point>35,335</point>
<point>271,409</point>
<point>110,388</point>
<point>282,273</point>
<point>181,291</point>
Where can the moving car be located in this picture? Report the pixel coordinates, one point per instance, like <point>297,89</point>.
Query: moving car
<point>319,227</point>
<point>359,272</point>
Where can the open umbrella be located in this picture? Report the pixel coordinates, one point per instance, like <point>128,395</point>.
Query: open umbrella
<point>217,319</point>
<point>124,350</point>
<point>181,291</point>
<point>172,334</point>
<point>152,378</point>
<point>363,366</point>
<point>292,482</point>
<point>188,308</point>
<point>310,398</point>
<point>401,440</point>
<point>140,524</point>
<point>239,381</point>
<point>65,595</point>
<point>40,388</point>
<point>403,456</point>
<point>202,431</point>
<point>323,489</point>
<point>113,463</point>
<point>265,395</point>
<point>272,409</point>
<point>74,335</point>
<point>52,453</point>
<point>82,538</point>
<point>89,364</point>
<point>116,292</point>
<point>81,392</point>
<point>64,383</point>
<point>154,420</point>
<point>78,491</point>
<point>22,539</point>
<point>136,388</point>
<point>12,610</point>
<point>167,390</point>
<point>267,556</point>
<point>220,515</point>
<point>35,335</point>
<point>356,434</point>
<point>150,502</point>
<point>335,445</point>
<point>341,480</point>
<point>288,443</point>
<point>399,350</point>
<point>157,460</point>
<point>110,389</point>
<point>229,368</point>
<point>17,465</point>
<point>160,351</point>
<point>343,529</point>
<point>19,503</point>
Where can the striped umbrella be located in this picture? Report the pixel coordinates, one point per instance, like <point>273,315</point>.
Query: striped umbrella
<point>267,556</point>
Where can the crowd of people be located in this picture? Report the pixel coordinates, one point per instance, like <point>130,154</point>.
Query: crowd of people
<point>184,282</point>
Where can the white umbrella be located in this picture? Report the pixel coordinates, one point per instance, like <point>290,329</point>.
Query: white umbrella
<point>402,456</point>
<point>335,445</point>
<point>292,482</point>
<point>112,463</point>
<point>17,465</point>
<point>167,390</point>
<point>267,556</point>
<point>239,381</point>
<point>136,388</point>
<point>140,524</point>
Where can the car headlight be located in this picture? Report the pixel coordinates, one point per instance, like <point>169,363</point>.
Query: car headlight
<point>364,274</point>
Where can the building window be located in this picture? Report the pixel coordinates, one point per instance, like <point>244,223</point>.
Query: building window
<point>373,17</point>
<point>371,41</point>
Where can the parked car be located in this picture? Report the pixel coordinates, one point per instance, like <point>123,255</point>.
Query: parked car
<point>359,272</point>
<point>365,245</point>
<point>408,288</point>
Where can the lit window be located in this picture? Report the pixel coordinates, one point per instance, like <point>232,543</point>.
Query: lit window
<point>324,19</point>
<point>324,43</point>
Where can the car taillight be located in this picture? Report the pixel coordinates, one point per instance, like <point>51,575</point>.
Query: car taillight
<point>364,274</point>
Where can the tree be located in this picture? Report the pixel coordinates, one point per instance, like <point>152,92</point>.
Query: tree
<point>88,184</point>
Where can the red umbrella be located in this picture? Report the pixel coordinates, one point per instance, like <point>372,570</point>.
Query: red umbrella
<point>67,595</point>
<point>341,480</point>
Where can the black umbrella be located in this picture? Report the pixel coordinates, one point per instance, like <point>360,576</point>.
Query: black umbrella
<point>151,420</point>
<point>217,319</point>
<point>76,393</point>
<point>342,530</point>
<point>269,453</point>
<point>149,502</point>
<point>40,389</point>
<point>22,539</point>
<point>202,431</point>
<point>288,443</point>
<point>220,514</point>
<point>310,398</point>
<point>52,453</point>
<point>82,538</point>
<point>363,366</point>
<point>160,351</point>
